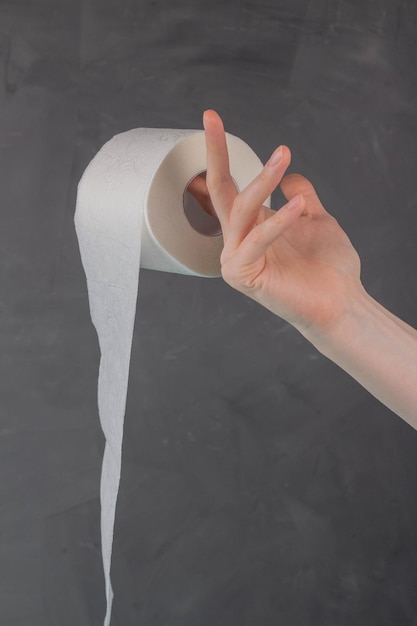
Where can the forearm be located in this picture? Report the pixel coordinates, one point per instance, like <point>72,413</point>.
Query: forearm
<point>378,350</point>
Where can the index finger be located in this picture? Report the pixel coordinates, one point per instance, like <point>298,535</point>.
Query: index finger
<point>219,181</point>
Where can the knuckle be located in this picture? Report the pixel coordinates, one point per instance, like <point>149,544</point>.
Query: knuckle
<point>262,177</point>
<point>302,183</point>
<point>306,189</point>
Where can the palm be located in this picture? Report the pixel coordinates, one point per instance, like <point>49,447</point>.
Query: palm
<point>306,268</point>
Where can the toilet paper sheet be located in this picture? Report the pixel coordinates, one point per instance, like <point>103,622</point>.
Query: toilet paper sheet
<point>130,215</point>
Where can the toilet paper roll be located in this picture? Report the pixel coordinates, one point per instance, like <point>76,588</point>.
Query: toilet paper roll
<point>130,214</point>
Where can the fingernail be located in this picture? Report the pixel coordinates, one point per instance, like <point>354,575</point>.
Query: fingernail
<point>276,157</point>
<point>294,202</point>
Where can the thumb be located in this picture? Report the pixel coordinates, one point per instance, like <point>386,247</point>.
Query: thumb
<point>294,184</point>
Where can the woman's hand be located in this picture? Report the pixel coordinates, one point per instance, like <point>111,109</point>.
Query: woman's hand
<point>297,262</point>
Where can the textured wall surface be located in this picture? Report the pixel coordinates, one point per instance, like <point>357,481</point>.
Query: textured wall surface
<point>260,484</point>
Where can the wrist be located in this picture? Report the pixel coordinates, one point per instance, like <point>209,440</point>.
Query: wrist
<point>354,312</point>
<point>377,349</point>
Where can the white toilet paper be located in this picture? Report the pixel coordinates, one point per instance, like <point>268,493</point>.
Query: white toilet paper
<point>130,214</point>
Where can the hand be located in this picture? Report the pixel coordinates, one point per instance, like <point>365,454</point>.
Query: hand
<point>297,262</point>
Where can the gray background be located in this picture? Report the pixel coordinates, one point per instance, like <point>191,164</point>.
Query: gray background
<point>260,484</point>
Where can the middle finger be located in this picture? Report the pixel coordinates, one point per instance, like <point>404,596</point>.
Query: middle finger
<point>246,207</point>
